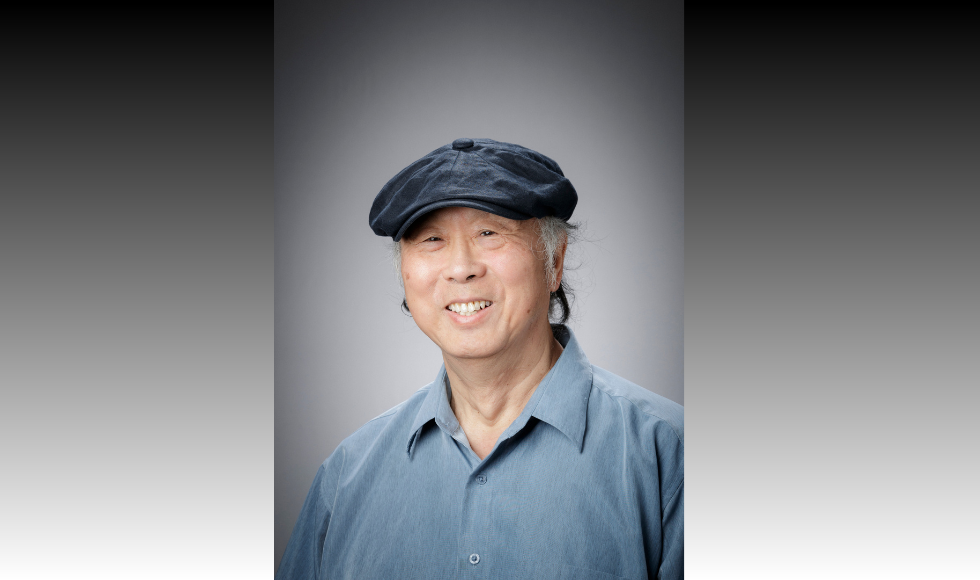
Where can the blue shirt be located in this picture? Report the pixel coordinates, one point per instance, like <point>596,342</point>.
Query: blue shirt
<point>588,482</point>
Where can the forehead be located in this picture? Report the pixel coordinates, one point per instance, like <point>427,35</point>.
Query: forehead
<point>448,217</point>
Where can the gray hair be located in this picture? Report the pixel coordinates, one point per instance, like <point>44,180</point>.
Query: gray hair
<point>553,232</point>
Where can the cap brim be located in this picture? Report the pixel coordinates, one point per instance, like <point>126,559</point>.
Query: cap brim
<point>472,203</point>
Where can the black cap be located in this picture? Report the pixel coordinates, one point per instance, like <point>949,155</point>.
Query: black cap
<point>500,178</point>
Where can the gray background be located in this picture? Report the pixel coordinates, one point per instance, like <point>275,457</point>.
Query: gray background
<point>360,93</point>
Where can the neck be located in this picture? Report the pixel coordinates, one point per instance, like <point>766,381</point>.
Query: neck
<point>488,394</point>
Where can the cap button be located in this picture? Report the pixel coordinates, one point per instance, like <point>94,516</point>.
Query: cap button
<point>462,144</point>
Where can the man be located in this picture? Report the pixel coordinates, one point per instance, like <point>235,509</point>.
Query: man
<point>521,460</point>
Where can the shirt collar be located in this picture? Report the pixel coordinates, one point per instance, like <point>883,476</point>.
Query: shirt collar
<point>564,391</point>
<point>561,399</point>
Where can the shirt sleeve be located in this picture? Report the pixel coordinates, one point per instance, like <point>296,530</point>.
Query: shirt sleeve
<point>303,555</point>
<point>672,559</point>
<point>670,459</point>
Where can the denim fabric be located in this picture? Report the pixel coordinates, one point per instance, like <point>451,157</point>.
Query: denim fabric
<point>587,483</point>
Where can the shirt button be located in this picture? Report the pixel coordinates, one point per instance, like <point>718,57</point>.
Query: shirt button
<point>474,559</point>
<point>481,479</point>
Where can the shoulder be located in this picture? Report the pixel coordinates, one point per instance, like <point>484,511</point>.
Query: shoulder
<point>644,428</point>
<point>387,432</point>
<point>646,408</point>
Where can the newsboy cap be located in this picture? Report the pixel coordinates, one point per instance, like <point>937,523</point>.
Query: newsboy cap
<point>500,178</point>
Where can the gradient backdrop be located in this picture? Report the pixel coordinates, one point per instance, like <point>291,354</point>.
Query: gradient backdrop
<point>831,280</point>
<point>361,92</point>
<point>136,288</point>
<point>832,292</point>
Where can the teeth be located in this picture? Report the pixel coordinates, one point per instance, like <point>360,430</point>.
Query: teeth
<point>468,308</point>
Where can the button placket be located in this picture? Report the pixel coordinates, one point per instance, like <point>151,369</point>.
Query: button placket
<point>475,527</point>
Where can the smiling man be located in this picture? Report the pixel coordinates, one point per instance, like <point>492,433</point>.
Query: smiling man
<point>521,459</point>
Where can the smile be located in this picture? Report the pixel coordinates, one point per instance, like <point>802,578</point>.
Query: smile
<point>468,308</point>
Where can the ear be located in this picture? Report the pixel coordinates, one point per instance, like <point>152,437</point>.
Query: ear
<point>559,264</point>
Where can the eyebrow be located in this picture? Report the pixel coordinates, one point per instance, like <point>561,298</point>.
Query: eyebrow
<point>416,230</point>
<point>502,222</point>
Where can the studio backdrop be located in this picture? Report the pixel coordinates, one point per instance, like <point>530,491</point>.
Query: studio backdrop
<point>364,89</point>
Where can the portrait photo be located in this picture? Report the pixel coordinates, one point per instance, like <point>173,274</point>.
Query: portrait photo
<point>442,303</point>
<point>363,91</point>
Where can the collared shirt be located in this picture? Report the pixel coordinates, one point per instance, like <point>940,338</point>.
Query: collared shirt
<point>588,482</point>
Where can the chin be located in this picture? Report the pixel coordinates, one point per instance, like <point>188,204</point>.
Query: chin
<point>463,351</point>
<point>471,348</point>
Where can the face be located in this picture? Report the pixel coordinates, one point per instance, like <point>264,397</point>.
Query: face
<point>456,257</point>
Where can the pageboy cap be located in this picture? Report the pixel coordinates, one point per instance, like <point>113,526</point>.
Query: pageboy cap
<point>500,178</point>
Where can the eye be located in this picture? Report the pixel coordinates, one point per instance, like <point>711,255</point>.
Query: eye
<point>487,233</point>
<point>432,239</point>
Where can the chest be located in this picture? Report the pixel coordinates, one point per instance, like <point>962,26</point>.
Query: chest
<point>538,508</point>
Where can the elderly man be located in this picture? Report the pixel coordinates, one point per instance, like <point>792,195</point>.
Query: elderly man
<point>521,460</point>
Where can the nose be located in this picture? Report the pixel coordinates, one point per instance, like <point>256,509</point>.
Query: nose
<point>464,263</point>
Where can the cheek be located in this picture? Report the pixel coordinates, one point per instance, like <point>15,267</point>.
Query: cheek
<point>527,278</point>
<point>417,278</point>
<point>415,270</point>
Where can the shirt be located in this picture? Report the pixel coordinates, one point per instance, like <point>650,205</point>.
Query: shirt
<point>588,482</point>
